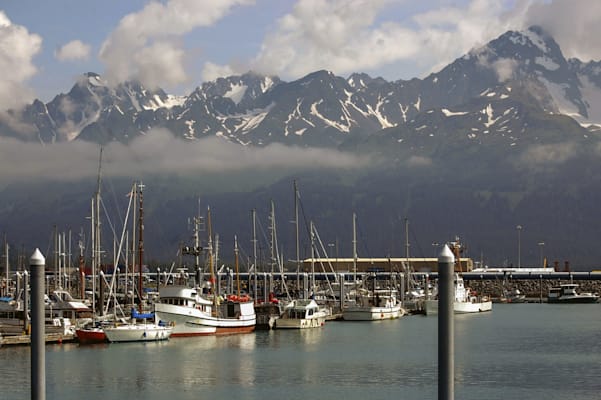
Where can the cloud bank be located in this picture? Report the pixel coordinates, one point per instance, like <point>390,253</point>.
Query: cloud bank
<point>17,49</point>
<point>158,153</point>
<point>147,45</point>
<point>354,35</point>
<point>573,24</point>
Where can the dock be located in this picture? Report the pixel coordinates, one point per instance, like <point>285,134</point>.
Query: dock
<point>25,340</point>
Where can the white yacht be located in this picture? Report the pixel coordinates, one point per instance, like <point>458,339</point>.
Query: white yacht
<point>464,302</point>
<point>373,305</point>
<point>301,314</point>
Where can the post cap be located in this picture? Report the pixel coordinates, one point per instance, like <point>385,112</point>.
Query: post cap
<point>446,256</point>
<point>37,258</point>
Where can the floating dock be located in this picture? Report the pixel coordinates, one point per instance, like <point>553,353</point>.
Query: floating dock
<point>25,340</point>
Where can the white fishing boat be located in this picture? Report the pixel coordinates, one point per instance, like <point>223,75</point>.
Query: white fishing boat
<point>201,311</point>
<point>373,305</point>
<point>465,301</point>
<point>568,293</point>
<point>194,314</point>
<point>301,314</point>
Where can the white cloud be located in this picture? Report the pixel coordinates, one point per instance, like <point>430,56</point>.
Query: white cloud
<point>211,71</point>
<point>17,49</point>
<point>347,36</point>
<point>419,161</point>
<point>549,154</point>
<point>505,68</point>
<point>145,45</point>
<point>72,51</point>
<point>159,153</point>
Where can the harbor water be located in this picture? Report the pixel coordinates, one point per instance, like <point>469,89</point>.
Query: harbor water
<point>517,351</point>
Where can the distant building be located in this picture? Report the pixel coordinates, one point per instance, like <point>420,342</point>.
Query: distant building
<point>395,264</point>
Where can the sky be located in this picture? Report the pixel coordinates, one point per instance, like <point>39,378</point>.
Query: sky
<point>178,44</point>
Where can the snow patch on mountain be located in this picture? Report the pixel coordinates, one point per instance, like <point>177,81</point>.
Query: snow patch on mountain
<point>417,103</point>
<point>558,93</point>
<point>171,101</point>
<point>190,133</point>
<point>546,63</point>
<point>95,80</point>
<point>236,92</point>
<point>334,124</point>
<point>266,84</point>
<point>591,94</point>
<point>376,112</point>
<point>250,120</point>
<point>449,113</point>
<point>489,112</point>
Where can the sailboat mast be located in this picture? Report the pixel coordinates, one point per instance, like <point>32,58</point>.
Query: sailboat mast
<point>211,269</point>
<point>312,258</point>
<point>237,271</point>
<point>93,234</point>
<point>210,231</point>
<point>273,244</point>
<point>134,192</point>
<point>407,239</point>
<point>6,292</point>
<point>254,220</point>
<point>197,244</point>
<point>296,196</point>
<point>140,243</point>
<point>355,247</point>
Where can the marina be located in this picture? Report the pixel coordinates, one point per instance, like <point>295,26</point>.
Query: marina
<point>517,351</point>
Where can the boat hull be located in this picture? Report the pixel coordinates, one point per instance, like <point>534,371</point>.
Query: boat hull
<point>371,313</point>
<point>300,323</point>
<point>574,300</point>
<point>138,333</point>
<point>90,336</point>
<point>459,307</point>
<point>187,321</point>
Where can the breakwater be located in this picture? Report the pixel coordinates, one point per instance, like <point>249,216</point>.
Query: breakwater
<point>532,288</point>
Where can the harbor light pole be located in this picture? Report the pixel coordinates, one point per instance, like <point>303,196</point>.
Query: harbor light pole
<point>435,245</point>
<point>541,245</point>
<point>519,228</point>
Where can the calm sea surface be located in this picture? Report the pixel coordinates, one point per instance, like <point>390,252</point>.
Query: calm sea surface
<point>518,351</point>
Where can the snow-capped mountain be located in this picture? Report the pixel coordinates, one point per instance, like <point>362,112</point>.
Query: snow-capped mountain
<point>497,89</point>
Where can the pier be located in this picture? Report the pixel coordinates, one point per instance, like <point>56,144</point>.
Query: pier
<point>25,340</point>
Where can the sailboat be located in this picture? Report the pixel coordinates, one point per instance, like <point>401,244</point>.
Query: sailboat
<point>371,303</point>
<point>193,312</point>
<point>134,331</point>
<point>93,331</point>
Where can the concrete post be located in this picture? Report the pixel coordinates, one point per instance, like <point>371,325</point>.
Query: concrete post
<point>38,357</point>
<point>446,339</point>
